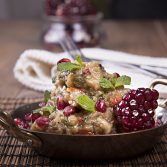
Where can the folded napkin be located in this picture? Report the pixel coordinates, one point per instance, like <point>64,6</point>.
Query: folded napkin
<point>35,68</point>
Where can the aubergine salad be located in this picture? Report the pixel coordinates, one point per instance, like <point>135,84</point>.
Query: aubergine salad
<point>88,100</point>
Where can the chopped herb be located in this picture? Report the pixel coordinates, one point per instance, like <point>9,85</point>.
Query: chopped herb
<point>47,110</point>
<point>68,66</point>
<point>86,103</point>
<point>113,80</point>
<point>47,95</point>
<point>79,60</point>
<point>123,80</point>
<point>106,84</point>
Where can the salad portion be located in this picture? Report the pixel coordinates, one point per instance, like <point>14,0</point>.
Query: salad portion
<point>88,100</point>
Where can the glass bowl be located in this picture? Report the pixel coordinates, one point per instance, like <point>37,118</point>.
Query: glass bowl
<point>85,31</point>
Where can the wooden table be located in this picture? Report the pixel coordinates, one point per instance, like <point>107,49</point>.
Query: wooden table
<point>138,37</point>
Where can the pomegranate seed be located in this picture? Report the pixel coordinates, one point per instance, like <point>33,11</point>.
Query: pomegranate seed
<point>101,106</point>
<point>69,110</point>
<point>42,121</point>
<point>133,93</point>
<point>154,104</point>
<point>64,60</point>
<point>26,126</point>
<point>32,117</point>
<point>145,117</point>
<point>21,124</point>
<point>122,104</point>
<point>61,104</point>
<point>28,117</point>
<point>148,94</point>
<point>155,94</point>
<point>141,109</point>
<point>135,113</point>
<point>140,122</point>
<point>140,98</point>
<point>133,104</point>
<point>117,111</point>
<point>18,121</point>
<point>127,97</point>
<point>147,105</point>
<point>126,111</point>
<point>35,116</point>
<point>140,90</point>
<point>151,112</point>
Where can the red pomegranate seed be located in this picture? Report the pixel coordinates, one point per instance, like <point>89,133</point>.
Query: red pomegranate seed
<point>21,124</point>
<point>42,121</point>
<point>69,110</point>
<point>123,104</point>
<point>28,117</point>
<point>32,117</point>
<point>64,60</point>
<point>139,98</point>
<point>35,116</point>
<point>18,121</point>
<point>133,104</point>
<point>61,104</point>
<point>127,97</point>
<point>148,94</point>
<point>155,94</point>
<point>147,105</point>
<point>154,104</point>
<point>26,126</point>
<point>101,106</point>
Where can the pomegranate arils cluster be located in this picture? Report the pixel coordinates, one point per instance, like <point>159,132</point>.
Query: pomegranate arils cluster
<point>136,110</point>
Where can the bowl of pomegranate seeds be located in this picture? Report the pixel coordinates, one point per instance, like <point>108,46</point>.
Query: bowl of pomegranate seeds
<point>90,114</point>
<point>78,19</point>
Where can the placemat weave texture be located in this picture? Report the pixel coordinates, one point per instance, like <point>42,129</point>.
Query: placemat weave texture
<point>16,154</point>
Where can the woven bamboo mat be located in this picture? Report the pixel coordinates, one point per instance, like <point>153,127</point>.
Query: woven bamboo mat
<point>14,153</point>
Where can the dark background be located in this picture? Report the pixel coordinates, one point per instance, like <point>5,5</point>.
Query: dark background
<point>138,9</point>
<point>113,9</point>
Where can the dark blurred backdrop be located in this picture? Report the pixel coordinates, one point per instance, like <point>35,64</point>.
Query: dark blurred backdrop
<point>116,9</point>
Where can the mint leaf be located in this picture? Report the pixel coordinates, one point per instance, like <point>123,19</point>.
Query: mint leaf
<point>113,80</point>
<point>106,84</point>
<point>68,66</point>
<point>46,96</point>
<point>47,110</point>
<point>123,80</point>
<point>86,103</point>
<point>78,59</point>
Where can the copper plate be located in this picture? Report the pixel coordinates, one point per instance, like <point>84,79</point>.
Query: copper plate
<point>86,147</point>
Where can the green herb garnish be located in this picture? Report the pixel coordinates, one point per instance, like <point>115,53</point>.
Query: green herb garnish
<point>123,80</point>
<point>106,84</point>
<point>47,96</point>
<point>86,103</point>
<point>68,66</point>
<point>47,110</point>
<point>79,60</point>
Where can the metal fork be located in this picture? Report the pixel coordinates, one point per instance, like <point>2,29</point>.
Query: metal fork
<point>70,47</point>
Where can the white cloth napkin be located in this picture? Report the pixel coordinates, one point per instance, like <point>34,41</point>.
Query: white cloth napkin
<point>35,68</point>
